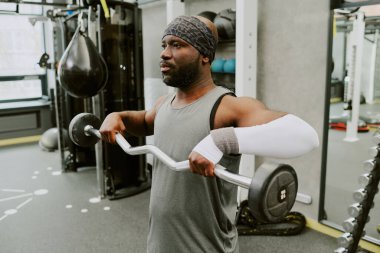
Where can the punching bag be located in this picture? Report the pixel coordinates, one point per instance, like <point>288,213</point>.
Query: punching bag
<point>82,71</point>
<point>225,22</point>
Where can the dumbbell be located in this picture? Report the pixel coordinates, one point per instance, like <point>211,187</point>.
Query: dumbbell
<point>369,165</point>
<point>345,240</point>
<point>362,194</point>
<point>373,151</point>
<point>365,179</point>
<point>351,224</point>
<point>341,250</point>
<point>272,191</point>
<point>355,210</point>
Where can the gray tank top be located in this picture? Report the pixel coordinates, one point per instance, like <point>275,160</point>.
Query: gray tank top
<point>189,212</point>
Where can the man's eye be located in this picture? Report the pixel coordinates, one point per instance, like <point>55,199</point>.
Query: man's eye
<point>163,46</point>
<point>176,45</point>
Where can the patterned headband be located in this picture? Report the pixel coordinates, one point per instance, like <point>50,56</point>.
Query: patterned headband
<point>194,32</point>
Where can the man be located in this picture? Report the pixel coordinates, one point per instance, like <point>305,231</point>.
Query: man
<point>188,212</point>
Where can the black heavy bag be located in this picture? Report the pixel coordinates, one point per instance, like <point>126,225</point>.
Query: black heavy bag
<point>208,14</point>
<point>225,22</point>
<point>82,71</point>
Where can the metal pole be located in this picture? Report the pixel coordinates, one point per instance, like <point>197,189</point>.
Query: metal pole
<point>357,39</point>
<point>97,101</point>
<point>246,68</point>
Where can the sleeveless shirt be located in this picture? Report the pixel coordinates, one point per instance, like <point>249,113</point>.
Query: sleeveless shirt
<point>189,212</point>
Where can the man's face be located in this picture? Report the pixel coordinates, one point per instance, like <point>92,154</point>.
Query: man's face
<point>180,62</point>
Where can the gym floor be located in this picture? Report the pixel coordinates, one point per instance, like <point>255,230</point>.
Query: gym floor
<point>44,210</point>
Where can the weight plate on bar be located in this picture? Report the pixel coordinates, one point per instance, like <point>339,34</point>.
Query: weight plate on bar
<point>273,192</point>
<point>76,129</point>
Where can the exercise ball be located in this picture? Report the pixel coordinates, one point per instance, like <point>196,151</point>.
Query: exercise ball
<point>217,65</point>
<point>229,66</point>
<point>225,22</point>
<point>208,14</point>
<point>49,139</point>
<point>82,71</point>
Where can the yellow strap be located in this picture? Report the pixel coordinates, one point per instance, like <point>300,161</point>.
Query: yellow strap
<point>334,26</point>
<point>20,140</point>
<point>105,8</point>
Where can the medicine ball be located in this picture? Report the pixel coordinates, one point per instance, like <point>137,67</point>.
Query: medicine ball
<point>229,66</point>
<point>49,139</point>
<point>208,14</point>
<point>217,65</point>
<point>225,22</point>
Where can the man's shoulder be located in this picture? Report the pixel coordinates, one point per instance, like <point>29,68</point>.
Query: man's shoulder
<point>240,101</point>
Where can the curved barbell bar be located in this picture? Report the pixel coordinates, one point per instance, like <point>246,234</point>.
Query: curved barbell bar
<point>219,171</point>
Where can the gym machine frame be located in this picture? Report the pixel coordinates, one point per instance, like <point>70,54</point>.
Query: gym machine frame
<point>127,82</point>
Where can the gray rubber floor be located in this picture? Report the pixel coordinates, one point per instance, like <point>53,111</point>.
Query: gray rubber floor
<point>44,210</point>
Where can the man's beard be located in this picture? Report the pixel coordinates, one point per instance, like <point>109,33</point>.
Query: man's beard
<point>183,76</point>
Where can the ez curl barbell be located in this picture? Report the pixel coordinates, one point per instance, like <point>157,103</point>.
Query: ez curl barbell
<point>271,192</point>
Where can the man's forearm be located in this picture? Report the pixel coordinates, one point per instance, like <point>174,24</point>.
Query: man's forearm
<point>135,123</point>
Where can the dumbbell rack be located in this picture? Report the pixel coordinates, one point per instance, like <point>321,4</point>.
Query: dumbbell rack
<point>354,226</point>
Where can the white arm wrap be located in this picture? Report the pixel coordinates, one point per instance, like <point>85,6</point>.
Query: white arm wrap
<point>209,150</point>
<point>285,137</point>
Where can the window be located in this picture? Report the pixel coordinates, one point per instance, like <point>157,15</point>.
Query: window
<point>21,46</point>
<point>20,90</point>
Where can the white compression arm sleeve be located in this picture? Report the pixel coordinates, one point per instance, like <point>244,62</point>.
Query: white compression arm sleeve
<point>285,137</point>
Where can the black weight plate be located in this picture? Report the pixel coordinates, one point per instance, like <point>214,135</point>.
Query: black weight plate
<point>76,129</point>
<point>273,192</point>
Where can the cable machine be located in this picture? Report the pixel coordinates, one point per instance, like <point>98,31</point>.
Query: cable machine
<point>115,30</point>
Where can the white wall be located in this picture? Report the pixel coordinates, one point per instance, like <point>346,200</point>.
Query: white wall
<point>154,23</point>
<point>292,57</point>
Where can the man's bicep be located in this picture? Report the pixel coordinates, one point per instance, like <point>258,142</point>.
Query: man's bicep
<point>150,115</point>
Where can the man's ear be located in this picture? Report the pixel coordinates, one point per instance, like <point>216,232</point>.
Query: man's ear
<point>205,59</point>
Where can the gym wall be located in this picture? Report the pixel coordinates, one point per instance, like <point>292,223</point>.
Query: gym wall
<point>292,60</point>
<point>154,23</point>
<point>292,65</point>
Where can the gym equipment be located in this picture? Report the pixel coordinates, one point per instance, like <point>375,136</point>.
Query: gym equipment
<point>229,66</point>
<point>210,15</point>
<point>217,65</point>
<point>353,80</point>
<point>225,22</point>
<point>354,226</point>
<point>82,71</point>
<point>341,122</point>
<point>247,224</point>
<point>272,192</point>
<point>342,126</point>
<point>120,43</point>
<point>49,139</point>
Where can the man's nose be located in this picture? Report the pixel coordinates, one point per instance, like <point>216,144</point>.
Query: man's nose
<point>166,53</point>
